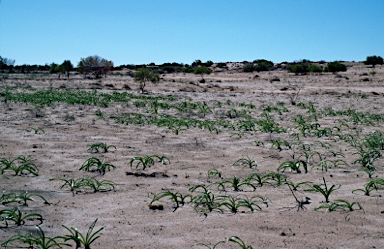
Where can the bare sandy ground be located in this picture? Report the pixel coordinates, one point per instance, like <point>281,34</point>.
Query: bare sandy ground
<point>125,214</point>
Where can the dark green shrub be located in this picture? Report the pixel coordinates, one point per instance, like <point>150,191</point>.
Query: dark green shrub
<point>263,65</point>
<point>374,60</point>
<point>298,68</point>
<point>315,69</point>
<point>248,68</point>
<point>202,70</point>
<point>335,67</point>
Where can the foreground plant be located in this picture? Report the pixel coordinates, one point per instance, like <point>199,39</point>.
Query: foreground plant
<point>239,242</point>
<point>81,239</point>
<point>31,241</point>
<point>21,165</point>
<point>323,189</point>
<point>20,198</point>
<point>17,216</point>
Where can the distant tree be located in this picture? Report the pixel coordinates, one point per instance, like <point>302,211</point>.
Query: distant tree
<point>374,60</point>
<point>6,63</point>
<point>66,67</point>
<point>95,65</point>
<point>335,67</point>
<point>196,63</point>
<point>55,68</point>
<point>145,75</point>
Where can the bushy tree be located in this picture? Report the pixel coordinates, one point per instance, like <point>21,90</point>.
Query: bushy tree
<point>144,75</point>
<point>335,67</point>
<point>95,65</point>
<point>55,68</point>
<point>66,67</point>
<point>374,60</point>
<point>6,63</point>
<point>263,65</point>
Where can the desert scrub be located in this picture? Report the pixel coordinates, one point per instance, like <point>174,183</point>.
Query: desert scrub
<point>147,161</point>
<point>96,165</point>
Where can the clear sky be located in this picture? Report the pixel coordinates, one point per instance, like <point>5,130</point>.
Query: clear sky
<point>145,31</point>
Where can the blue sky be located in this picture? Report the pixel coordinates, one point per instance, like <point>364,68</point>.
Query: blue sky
<point>145,31</point>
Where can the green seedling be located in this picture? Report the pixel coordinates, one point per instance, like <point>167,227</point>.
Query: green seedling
<point>209,246</point>
<point>341,205</point>
<point>96,147</point>
<point>280,143</point>
<point>40,241</point>
<point>20,166</point>
<point>235,203</point>
<point>295,186</point>
<point>17,216</point>
<point>20,198</point>
<point>205,202</point>
<point>239,242</point>
<point>73,184</point>
<point>278,178</point>
<point>177,198</point>
<point>236,183</point>
<point>96,165</point>
<point>260,179</point>
<point>246,162</point>
<point>98,186</point>
<point>293,166</point>
<point>81,239</point>
<point>147,161</point>
<point>323,189</point>
<point>373,185</point>
<point>215,173</point>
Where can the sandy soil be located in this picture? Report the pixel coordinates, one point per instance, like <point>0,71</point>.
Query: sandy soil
<point>125,214</point>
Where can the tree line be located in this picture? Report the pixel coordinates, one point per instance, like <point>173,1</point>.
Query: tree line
<point>96,66</point>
